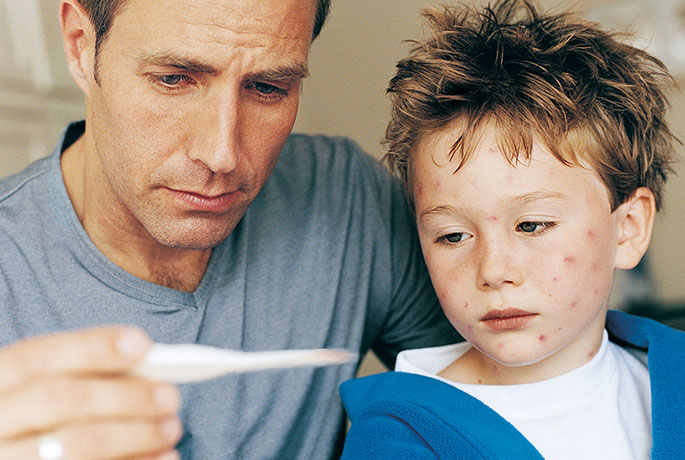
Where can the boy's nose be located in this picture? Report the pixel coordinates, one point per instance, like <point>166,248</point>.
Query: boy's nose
<point>496,267</point>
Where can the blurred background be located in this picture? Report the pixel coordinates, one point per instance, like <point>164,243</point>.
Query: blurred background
<point>351,63</point>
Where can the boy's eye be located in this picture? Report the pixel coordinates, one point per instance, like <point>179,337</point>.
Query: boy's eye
<point>534,227</point>
<point>453,238</point>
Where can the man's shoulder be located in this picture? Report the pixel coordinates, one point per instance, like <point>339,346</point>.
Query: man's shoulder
<point>331,154</point>
<point>30,179</point>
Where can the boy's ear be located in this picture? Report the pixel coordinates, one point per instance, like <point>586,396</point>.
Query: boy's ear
<point>635,220</point>
<point>78,36</point>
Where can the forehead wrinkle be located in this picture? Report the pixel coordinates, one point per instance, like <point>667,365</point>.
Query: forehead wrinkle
<point>248,23</point>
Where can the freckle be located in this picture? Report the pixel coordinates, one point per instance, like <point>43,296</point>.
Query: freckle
<point>574,304</point>
<point>480,381</point>
<point>558,329</point>
<point>541,338</point>
<point>570,260</point>
<point>550,295</point>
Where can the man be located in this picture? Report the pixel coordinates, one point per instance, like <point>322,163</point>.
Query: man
<point>141,217</point>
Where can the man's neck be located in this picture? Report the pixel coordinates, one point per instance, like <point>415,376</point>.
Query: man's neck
<point>124,241</point>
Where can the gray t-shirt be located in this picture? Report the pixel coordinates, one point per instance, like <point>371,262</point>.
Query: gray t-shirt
<point>326,256</point>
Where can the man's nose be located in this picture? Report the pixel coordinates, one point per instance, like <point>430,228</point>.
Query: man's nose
<point>216,137</point>
<point>497,266</point>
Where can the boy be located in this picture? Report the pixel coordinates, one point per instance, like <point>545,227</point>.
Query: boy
<point>534,151</point>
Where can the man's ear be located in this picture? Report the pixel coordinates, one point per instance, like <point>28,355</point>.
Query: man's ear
<point>635,220</point>
<point>78,36</point>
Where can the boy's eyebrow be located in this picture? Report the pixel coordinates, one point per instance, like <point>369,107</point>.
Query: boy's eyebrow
<point>294,71</point>
<point>532,197</point>
<point>518,200</point>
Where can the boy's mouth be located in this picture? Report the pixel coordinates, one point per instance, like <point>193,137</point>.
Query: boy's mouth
<point>508,319</point>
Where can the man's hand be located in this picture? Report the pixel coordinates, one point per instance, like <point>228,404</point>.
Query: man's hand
<point>73,388</point>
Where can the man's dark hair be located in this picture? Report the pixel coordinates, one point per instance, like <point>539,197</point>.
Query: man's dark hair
<point>103,12</point>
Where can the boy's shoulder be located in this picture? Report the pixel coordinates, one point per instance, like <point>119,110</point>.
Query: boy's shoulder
<point>445,418</point>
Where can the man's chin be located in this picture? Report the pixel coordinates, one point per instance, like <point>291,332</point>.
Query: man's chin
<point>195,238</point>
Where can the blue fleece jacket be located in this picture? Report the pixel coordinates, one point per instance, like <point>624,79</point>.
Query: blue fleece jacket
<point>396,415</point>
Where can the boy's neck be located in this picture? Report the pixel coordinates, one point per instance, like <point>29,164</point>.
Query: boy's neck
<point>476,368</point>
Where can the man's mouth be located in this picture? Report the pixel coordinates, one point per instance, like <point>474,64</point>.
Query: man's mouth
<point>216,203</point>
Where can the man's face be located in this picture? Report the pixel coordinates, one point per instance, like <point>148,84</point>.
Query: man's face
<point>522,257</point>
<point>195,101</point>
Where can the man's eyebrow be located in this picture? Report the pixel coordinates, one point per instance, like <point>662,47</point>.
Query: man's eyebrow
<point>295,71</point>
<point>167,59</point>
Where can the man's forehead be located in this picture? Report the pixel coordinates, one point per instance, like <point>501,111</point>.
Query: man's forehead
<point>289,20</point>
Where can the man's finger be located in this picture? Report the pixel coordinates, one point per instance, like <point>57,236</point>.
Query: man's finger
<point>99,350</point>
<point>102,441</point>
<point>50,402</point>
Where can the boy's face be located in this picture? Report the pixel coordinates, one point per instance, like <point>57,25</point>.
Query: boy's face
<point>521,258</point>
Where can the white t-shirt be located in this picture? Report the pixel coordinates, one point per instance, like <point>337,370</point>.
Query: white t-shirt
<point>600,410</point>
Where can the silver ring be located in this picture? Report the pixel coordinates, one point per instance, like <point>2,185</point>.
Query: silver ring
<point>50,448</point>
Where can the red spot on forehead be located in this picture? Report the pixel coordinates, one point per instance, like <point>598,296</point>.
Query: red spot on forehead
<point>570,260</point>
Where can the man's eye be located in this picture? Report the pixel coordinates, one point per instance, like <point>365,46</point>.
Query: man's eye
<point>172,80</point>
<point>265,88</point>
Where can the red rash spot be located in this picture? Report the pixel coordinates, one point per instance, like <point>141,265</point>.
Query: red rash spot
<point>492,219</point>
<point>570,260</point>
<point>466,305</point>
<point>574,304</point>
<point>555,279</point>
<point>596,291</point>
<point>590,234</point>
<point>437,184</point>
<point>541,338</point>
<point>594,267</point>
<point>500,346</point>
